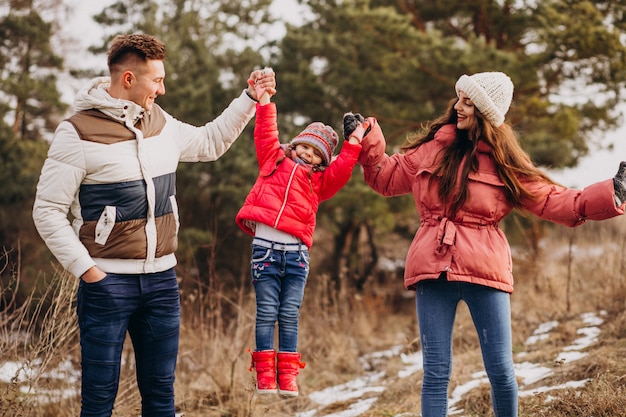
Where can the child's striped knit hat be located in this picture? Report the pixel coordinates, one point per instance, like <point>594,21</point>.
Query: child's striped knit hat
<point>322,137</point>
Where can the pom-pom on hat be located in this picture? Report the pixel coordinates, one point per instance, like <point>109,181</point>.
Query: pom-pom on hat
<point>491,93</point>
<point>322,137</point>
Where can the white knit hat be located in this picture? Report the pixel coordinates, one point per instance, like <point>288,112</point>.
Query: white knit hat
<point>491,93</point>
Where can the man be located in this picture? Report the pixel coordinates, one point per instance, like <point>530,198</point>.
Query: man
<point>112,165</point>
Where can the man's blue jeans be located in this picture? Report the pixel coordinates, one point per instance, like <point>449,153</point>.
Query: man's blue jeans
<point>490,309</point>
<point>148,307</point>
<point>279,278</point>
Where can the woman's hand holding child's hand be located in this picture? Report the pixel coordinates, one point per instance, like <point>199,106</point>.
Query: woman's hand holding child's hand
<point>355,127</point>
<point>350,122</point>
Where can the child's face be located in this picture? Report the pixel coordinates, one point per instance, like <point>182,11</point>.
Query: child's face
<point>308,154</point>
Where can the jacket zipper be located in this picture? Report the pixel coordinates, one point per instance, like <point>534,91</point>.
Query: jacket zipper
<point>282,207</point>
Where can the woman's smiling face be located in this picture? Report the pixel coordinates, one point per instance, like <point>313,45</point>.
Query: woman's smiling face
<point>465,111</point>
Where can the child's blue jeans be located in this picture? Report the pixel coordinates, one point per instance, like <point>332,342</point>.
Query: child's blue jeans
<point>490,309</point>
<point>279,274</point>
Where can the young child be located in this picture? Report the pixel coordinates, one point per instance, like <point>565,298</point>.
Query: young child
<point>280,212</point>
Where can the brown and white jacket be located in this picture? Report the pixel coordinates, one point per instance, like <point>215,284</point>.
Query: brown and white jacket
<point>112,167</point>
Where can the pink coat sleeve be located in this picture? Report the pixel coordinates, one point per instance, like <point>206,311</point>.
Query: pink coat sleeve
<point>395,175</point>
<point>387,175</point>
<point>571,207</point>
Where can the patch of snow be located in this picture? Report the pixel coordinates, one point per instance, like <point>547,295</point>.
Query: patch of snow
<point>479,379</point>
<point>415,362</point>
<point>355,409</point>
<point>352,389</point>
<point>568,357</point>
<point>531,372</point>
<point>570,384</point>
<point>542,332</point>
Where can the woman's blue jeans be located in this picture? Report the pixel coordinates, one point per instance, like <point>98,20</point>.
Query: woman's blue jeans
<point>490,309</point>
<point>148,307</point>
<point>279,278</point>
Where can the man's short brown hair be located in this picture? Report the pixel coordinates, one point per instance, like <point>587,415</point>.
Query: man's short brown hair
<point>134,47</point>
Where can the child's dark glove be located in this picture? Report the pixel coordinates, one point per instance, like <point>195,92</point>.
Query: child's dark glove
<point>619,184</point>
<point>350,122</point>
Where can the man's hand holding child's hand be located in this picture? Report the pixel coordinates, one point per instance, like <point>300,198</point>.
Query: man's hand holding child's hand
<point>263,82</point>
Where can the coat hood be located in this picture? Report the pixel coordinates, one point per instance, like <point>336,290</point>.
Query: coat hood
<point>95,95</point>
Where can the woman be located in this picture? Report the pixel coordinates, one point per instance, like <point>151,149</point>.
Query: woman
<point>466,173</point>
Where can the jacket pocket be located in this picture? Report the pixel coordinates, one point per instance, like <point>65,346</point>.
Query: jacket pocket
<point>105,224</point>
<point>486,177</point>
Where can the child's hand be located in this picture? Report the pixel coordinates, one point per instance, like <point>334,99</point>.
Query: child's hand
<point>359,132</point>
<point>262,83</point>
<point>350,122</point>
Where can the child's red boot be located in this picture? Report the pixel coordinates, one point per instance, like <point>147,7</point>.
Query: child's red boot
<point>264,362</point>
<point>289,366</point>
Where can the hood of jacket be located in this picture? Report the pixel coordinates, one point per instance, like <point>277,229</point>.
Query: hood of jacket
<point>95,95</point>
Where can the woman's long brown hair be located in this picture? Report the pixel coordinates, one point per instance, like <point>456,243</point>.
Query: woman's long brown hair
<point>512,162</point>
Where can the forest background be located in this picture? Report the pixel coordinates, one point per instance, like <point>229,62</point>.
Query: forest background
<point>396,60</point>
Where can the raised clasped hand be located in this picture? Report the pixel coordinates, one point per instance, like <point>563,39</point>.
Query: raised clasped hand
<point>359,131</point>
<point>263,81</point>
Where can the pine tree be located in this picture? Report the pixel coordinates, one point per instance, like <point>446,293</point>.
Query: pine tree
<point>30,107</point>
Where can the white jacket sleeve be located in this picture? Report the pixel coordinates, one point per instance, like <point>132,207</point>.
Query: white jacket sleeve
<point>61,176</point>
<point>209,142</point>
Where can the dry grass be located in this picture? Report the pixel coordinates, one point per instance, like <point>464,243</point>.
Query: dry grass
<point>576,271</point>
<point>38,335</point>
